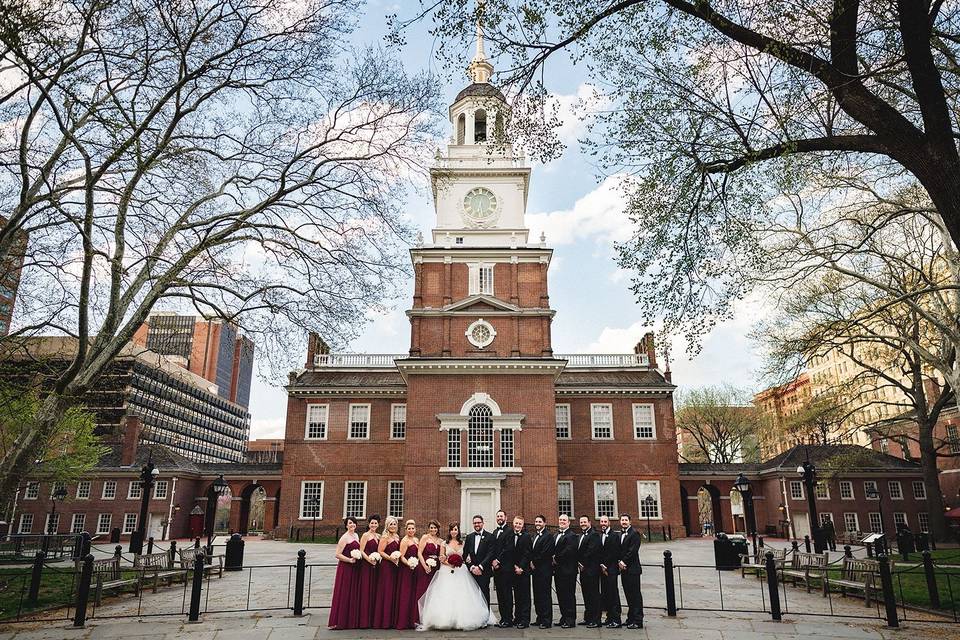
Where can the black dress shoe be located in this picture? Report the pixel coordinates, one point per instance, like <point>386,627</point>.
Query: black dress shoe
<point>522,625</point>
<point>503,625</point>
<point>564,625</point>
<point>634,625</point>
<point>593,625</point>
<point>582,622</point>
<point>544,625</point>
<point>613,625</point>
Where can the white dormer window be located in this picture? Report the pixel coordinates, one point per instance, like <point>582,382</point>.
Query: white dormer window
<point>481,279</point>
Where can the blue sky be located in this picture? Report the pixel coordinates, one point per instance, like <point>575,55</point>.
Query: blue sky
<point>581,215</point>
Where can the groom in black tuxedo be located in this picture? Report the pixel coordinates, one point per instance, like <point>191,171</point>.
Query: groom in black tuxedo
<point>630,571</point>
<point>478,553</point>
<point>565,571</point>
<point>502,581</point>
<point>541,566</point>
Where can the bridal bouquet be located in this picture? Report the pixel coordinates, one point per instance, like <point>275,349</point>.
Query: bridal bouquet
<point>355,554</point>
<point>412,563</point>
<point>376,557</point>
<point>455,560</point>
<point>432,563</point>
<point>395,555</point>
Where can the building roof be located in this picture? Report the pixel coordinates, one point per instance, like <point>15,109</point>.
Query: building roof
<point>370,378</point>
<point>700,468</point>
<point>850,457</point>
<point>241,468</point>
<point>586,378</point>
<point>480,89</point>
<point>164,459</point>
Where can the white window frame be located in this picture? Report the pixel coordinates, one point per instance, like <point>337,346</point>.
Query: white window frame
<point>135,484</point>
<point>73,522</point>
<point>922,494</point>
<point>901,520</point>
<point>866,493</point>
<point>856,521</point>
<point>55,486</point>
<point>923,522</point>
<point>890,485</point>
<point>642,493</point>
<point>56,524</point>
<point>363,511</point>
<point>794,484</point>
<point>507,442</point>
<point>390,487</point>
<point>31,491</point>
<point>821,484</point>
<point>28,518</point>
<point>476,280</point>
<point>879,521</point>
<point>593,420</point>
<point>100,528</point>
<point>848,484</point>
<point>652,425</point>
<point>557,408</point>
<point>394,409</point>
<point>126,519</point>
<point>596,497</point>
<point>156,489</point>
<point>350,409</point>
<point>112,484</point>
<point>303,491</point>
<point>84,495</point>
<point>572,506</point>
<point>308,422</point>
<point>454,448</point>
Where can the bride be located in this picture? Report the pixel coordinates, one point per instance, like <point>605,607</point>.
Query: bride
<point>453,600</point>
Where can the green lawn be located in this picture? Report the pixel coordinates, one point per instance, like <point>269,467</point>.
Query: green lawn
<point>56,588</point>
<point>910,583</point>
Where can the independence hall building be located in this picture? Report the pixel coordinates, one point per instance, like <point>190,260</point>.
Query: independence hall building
<point>480,413</point>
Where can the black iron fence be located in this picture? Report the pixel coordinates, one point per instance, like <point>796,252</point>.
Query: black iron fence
<point>204,587</point>
<point>20,547</point>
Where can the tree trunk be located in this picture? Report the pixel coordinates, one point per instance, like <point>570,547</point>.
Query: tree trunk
<point>931,479</point>
<point>26,449</point>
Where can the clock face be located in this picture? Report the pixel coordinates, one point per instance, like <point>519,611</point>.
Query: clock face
<point>480,205</point>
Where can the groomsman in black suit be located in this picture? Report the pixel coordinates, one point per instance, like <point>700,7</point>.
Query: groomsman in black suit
<point>609,570</point>
<point>565,571</point>
<point>541,565</point>
<point>630,571</point>
<point>515,559</point>
<point>478,551</point>
<point>502,576</point>
<point>588,558</point>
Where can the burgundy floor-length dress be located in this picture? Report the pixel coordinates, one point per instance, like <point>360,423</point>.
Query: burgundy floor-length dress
<point>430,550</point>
<point>385,605</point>
<point>367,586</point>
<point>408,610</point>
<point>344,610</point>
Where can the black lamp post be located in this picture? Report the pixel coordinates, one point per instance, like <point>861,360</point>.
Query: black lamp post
<point>873,493</point>
<point>649,501</point>
<point>809,475</point>
<point>220,487</point>
<point>59,495</point>
<point>148,474</point>
<point>743,486</point>
<point>315,502</point>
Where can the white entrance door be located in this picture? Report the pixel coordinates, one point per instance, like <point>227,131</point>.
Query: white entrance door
<point>155,526</point>
<point>801,525</point>
<point>478,501</point>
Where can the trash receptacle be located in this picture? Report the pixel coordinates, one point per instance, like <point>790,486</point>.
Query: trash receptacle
<point>724,556</point>
<point>115,535</point>
<point>923,544</point>
<point>905,541</point>
<point>233,558</point>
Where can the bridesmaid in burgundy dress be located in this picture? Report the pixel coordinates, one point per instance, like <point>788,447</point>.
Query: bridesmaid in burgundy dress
<point>367,586</point>
<point>385,600</point>
<point>408,610</point>
<point>429,557</point>
<point>344,610</point>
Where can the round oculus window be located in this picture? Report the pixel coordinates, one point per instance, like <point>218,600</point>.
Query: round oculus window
<point>480,333</point>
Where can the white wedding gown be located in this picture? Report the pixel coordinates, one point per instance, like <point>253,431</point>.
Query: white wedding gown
<point>454,601</point>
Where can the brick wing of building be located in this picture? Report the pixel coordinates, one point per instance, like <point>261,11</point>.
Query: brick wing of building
<point>479,414</point>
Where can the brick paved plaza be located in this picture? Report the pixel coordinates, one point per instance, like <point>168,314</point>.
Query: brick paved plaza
<point>267,588</point>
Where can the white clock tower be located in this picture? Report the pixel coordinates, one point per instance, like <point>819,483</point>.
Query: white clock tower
<point>480,186</point>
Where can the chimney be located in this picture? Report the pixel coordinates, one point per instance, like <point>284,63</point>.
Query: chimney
<point>646,345</point>
<point>130,440</point>
<point>932,390</point>
<point>315,346</point>
<point>667,374</point>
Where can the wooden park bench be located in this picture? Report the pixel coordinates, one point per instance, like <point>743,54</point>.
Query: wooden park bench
<point>806,567</point>
<point>158,566</point>
<point>860,574</point>
<point>758,563</point>
<point>107,574</point>
<point>212,563</point>
<point>851,537</point>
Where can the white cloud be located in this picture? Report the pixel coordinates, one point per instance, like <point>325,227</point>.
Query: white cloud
<point>571,109</point>
<point>617,340</point>
<point>600,214</point>
<point>267,427</point>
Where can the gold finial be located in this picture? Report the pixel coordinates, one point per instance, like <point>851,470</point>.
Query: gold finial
<point>480,69</point>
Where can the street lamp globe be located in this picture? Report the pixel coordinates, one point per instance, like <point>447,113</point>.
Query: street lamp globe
<point>801,470</point>
<point>741,484</point>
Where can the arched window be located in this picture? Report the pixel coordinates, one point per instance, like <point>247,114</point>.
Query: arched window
<point>480,126</point>
<point>480,437</point>
<point>461,128</point>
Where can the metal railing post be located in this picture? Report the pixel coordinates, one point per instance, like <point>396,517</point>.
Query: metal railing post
<point>847,551</point>
<point>668,583</point>
<point>298,585</point>
<point>35,577</point>
<point>889,599</point>
<point>760,542</point>
<point>83,591</point>
<point>932,589</point>
<point>85,544</point>
<point>773,587</point>
<point>806,543</point>
<point>150,545</point>
<point>173,552</point>
<point>118,552</point>
<point>198,563</point>
<point>795,546</point>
